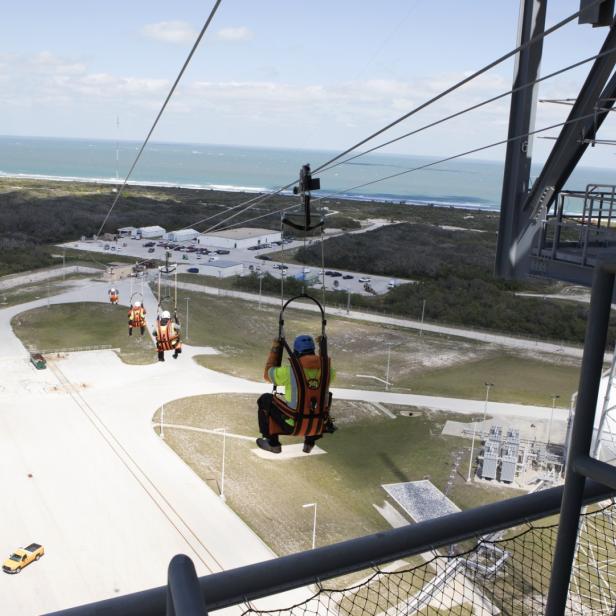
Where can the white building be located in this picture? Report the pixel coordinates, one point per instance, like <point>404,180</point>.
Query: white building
<point>242,237</point>
<point>126,231</point>
<point>182,235</point>
<point>219,269</point>
<point>149,232</point>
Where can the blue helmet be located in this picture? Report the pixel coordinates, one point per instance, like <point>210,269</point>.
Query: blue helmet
<point>303,344</point>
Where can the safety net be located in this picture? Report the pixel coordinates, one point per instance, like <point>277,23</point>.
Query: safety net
<point>505,573</point>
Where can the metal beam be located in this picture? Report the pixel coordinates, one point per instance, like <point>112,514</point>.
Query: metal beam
<point>566,153</point>
<point>531,23</point>
<point>596,470</point>
<point>252,582</point>
<point>596,14</point>
<point>581,437</point>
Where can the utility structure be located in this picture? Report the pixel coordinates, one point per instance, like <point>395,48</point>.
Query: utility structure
<point>541,229</point>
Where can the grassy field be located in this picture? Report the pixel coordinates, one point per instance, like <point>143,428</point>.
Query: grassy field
<point>65,326</point>
<point>368,450</point>
<point>32,291</point>
<point>428,364</point>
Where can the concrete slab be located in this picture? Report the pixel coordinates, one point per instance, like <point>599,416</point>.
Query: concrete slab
<point>288,452</point>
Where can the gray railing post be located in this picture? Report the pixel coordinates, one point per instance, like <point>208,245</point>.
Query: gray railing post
<point>184,596</point>
<point>581,437</point>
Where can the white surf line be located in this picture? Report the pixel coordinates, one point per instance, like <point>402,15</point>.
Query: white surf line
<point>207,431</point>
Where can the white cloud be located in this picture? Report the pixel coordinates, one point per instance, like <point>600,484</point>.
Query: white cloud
<point>241,33</point>
<point>170,32</point>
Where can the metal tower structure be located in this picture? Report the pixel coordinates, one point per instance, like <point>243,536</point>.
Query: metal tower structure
<point>540,232</point>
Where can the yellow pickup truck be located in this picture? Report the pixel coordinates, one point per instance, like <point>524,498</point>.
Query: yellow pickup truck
<point>22,557</point>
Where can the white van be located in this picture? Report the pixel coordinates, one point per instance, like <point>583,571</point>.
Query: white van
<point>392,284</point>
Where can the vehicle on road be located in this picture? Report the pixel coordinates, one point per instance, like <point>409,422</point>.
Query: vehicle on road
<point>223,252</point>
<point>392,284</point>
<point>112,248</point>
<point>264,258</point>
<point>212,259</point>
<point>22,557</point>
<point>347,277</point>
<point>106,246</point>
<point>151,249</point>
<point>38,361</point>
<point>185,257</point>
<point>280,266</point>
<point>364,279</point>
<point>336,274</point>
<point>149,244</point>
<point>193,270</point>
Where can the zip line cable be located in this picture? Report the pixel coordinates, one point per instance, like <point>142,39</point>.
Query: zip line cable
<point>459,84</point>
<point>460,155</point>
<point>249,204</point>
<point>162,109</point>
<point>471,108</point>
<point>431,164</point>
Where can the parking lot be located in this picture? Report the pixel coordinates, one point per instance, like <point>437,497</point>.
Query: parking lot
<point>186,255</point>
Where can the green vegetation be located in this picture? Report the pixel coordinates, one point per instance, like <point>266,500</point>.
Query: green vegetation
<point>368,450</point>
<point>455,274</point>
<point>64,326</point>
<point>32,291</point>
<point>428,364</point>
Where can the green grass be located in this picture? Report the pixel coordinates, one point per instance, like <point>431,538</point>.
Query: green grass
<point>428,364</point>
<point>63,326</point>
<point>40,290</point>
<point>368,450</point>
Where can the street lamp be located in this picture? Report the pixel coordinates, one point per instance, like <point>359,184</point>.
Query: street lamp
<point>485,410</point>
<point>554,398</point>
<point>186,335</point>
<point>423,311</point>
<point>388,363</point>
<point>314,523</point>
<point>222,474</point>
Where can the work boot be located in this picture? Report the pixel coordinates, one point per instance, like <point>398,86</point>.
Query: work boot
<point>130,331</point>
<point>308,445</point>
<point>267,445</point>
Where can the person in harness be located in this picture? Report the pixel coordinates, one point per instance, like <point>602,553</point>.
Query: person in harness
<point>114,296</point>
<point>136,318</point>
<point>304,410</point>
<point>167,335</point>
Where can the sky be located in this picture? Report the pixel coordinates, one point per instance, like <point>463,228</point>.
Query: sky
<point>279,73</point>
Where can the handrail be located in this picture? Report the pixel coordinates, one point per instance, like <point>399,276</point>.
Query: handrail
<point>252,582</point>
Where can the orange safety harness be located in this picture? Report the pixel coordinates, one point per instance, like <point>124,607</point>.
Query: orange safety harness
<point>136,317</point>
<point>313,396</point>
<point>167,338</point>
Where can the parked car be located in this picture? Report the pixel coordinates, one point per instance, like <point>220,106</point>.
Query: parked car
<point>347,277</point>
<point>212,259</point>
<point>112,248</point>
<point>253,248</point>
<point>264,258</point>
<point>22,557</point>
<point>392,284</point>
<point>149,244</point>
<point>193,270</point>
<point>185,257</point>
<point>336,274</point>
<point>151,249</point>
<point>106,246</point>
<point>364,279</point>
<point>223,252</point>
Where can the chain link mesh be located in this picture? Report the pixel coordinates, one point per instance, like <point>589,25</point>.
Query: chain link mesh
<point>507,573</point>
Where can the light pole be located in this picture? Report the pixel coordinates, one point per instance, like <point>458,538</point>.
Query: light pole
<point>423,312</point>
<point>388,363</point>
<point>554,398</point>
<point>348,300</point>
<point>485,410</point>
<point>314,523</point>
<point>222,472</point>
<point>260,287</point>
<point>186,336</point>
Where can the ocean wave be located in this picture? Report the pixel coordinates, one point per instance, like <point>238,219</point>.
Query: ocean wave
<point>381,198</point>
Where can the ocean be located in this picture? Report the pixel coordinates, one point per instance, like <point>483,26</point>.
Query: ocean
<point>460,183</point>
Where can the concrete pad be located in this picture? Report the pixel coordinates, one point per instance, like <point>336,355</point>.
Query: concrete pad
<point>288,452</point>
